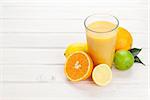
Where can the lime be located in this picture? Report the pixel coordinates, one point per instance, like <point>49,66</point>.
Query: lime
<point>123,60</point>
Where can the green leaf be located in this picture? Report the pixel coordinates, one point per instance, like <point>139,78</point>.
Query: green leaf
<point>135,51</point>
<point>137,59</point>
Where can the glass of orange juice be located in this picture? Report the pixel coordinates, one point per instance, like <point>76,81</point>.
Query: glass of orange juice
<point>101,32</point>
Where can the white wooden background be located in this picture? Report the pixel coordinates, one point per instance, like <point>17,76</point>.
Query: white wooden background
<point>34,35</point>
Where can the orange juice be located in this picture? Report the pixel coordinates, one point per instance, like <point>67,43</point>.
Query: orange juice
<point>101,40</point>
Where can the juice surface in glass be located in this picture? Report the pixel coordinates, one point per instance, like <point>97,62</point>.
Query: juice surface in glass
<point>101,40</point>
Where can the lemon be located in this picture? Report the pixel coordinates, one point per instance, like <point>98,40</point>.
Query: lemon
<point>78,46</point>
<point>102,74</point>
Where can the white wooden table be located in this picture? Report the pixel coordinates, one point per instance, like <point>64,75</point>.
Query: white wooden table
<point>34,35</point>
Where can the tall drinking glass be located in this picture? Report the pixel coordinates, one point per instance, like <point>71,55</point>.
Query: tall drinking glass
<point>101,32</point>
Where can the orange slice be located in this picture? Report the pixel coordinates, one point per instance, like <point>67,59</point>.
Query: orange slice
<point>78,66</point>
<point>102,74</point>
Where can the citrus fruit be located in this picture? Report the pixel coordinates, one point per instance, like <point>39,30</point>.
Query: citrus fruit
<point>124,39</point>
<point>75,47</point>
<point>123,59</point>
<point>78,66</point>
<point>102,74</point>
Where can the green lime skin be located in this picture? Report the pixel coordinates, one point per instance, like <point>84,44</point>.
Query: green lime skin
<point>123,60</point>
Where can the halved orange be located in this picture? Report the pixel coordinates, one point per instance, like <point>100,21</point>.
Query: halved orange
<point>78,66</point>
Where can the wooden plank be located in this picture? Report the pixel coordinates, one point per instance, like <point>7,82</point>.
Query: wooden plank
<point>56,25</point>
<point>121,3</point>
<point>73,13</point>
<point>32,56</point>
<point>53,73</point>
<point>41,56</point>
<point>70,98</point>
<point>32,73</point>
<point>39,1</point>
<point>60,90</point>
<point>56,40</point>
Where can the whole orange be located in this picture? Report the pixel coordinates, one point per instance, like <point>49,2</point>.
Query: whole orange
<point>124,39</point>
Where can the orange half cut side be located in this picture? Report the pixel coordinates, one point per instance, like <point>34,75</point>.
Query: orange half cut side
<point>78,66</point>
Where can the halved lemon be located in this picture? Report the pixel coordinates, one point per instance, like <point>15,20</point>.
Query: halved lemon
<point>102,74</point>
<point>78,66</point>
